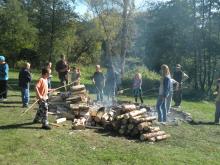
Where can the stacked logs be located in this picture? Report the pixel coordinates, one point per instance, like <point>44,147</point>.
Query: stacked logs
<point>131,122</point>
<point>72,104</point>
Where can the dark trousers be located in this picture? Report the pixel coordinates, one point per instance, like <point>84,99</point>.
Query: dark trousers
<point>177,97</point>
<point>3,89</point>
<point>63,79</point>
<point>99,93</point>
<point>217,112</point>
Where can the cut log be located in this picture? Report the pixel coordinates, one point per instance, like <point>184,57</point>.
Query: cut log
<point>105,117</point>
<point>60,120</point>
<point>130,126</point>
<point>122,130</point>
<point>144,126</point>
<point>132,119</point>
<point>143,119</point>
<point>162,137</point>
<point>93,112</point>
<point>74,99</point>
<point>77,88</point>
<point>83,92</point>
<point>124,121</point>
<point>79,123</point>
<point>74,107</point>
<point>137,112</point>
<point>83,107</point>
<point>134,132</point>
<point>150,135</point>
<point>128,107</point>
<point>98,116</point>
<point>154,129</point>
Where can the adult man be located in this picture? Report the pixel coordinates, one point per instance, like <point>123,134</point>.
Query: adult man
<point>3,78</point>
<point>62,68</point>
<point>99,81</point>
<point>180,77</point>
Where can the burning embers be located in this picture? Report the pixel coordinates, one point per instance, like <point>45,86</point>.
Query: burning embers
<point>126,119</point>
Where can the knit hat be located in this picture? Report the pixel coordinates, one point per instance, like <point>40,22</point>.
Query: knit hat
<point>2,58</point>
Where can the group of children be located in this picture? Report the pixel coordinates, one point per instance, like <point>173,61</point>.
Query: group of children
<point>43,88</point>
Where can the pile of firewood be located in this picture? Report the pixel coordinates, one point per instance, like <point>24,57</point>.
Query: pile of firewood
<point>128,121</point>
<point>125,119</point>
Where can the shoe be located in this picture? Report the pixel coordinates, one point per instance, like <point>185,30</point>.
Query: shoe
<point>46,127</point>
<point>25,106</point>
<point>4,99</point>
<point>36,121</point>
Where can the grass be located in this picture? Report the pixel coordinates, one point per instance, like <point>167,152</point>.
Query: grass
<point>22,142</point>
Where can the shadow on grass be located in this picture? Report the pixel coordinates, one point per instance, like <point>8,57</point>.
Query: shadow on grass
<point>112,133</point>
<point>193,122</point>
<point>21,126</point>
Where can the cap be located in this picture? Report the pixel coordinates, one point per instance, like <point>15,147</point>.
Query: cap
<point>2,58</point>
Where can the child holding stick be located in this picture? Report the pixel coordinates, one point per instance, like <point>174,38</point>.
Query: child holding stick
<point>42,95</point>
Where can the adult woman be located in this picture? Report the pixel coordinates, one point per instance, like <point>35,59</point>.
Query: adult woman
<point>164,91</point>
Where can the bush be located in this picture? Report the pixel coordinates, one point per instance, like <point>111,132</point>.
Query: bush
<point>20,64</point>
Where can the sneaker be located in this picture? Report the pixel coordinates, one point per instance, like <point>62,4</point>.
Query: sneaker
<point>4,99</point>
<point>36,121</point>
<point>46,127</point>
<point>25,106</point>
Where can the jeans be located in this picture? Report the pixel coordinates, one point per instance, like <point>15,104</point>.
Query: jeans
<point>161,109</point>
<point>217,112</point>
<point>168,102</point>
<point>25,95</point>
<point>49,82</point>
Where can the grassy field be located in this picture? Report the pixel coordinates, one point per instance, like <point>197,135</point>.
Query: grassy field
<point>22,142</point>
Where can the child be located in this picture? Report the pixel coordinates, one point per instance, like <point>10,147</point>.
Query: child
<point>137,87</point>
<point>48,67</point>
<point>24,83</point>
<point>217,103</point>
<point>42,95</point>
<point>76,76</point>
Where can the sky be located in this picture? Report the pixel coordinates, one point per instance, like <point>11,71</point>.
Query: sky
<point>82,8</point>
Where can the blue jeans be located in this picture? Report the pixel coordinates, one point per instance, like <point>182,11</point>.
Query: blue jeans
<point>161,109</point>
<point>217,112</point>
<point>168,102</point>
<point>25,95</point>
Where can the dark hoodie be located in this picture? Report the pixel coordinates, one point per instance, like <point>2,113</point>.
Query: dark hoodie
<point>24,78</point>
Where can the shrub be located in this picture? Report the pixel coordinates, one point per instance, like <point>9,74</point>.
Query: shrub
<point>19,64</point>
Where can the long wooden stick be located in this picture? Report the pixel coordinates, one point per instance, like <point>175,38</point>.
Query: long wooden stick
<point>49,92</point>
<point>32,105</point>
